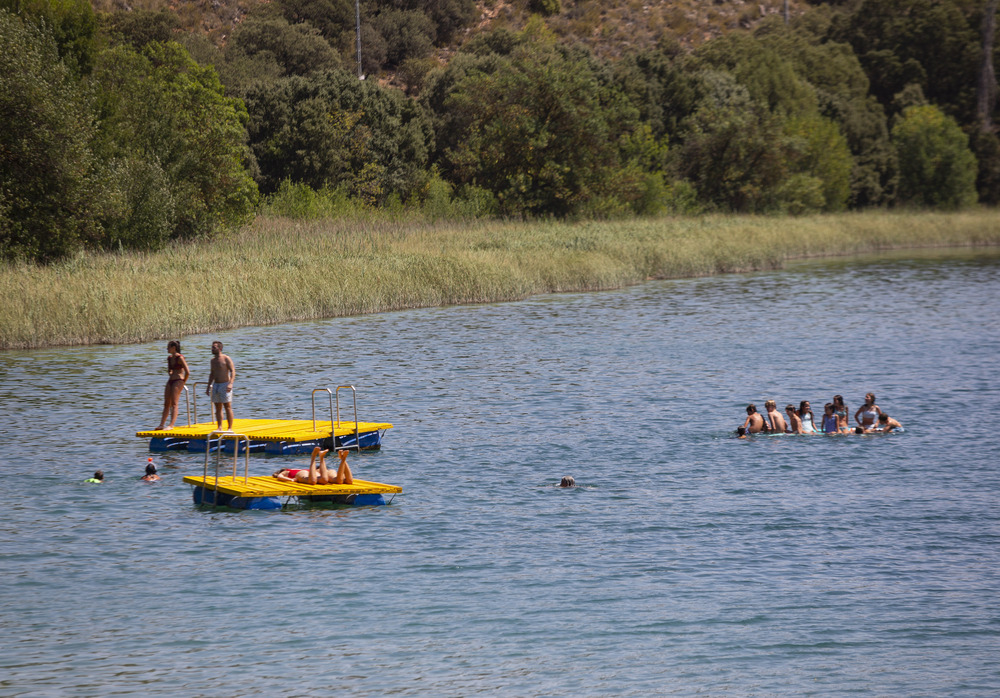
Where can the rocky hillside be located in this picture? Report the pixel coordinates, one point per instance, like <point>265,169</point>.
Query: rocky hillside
<point>610,26</point>
<point>607,26</point>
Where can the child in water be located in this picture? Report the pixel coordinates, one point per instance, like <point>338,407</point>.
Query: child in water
<point>830,421</point>
<point>774,418</point>
<point>840,410</point>
<point>806,415</point>
<point>885,424</point>
<point>794,420</point>
<point>754,422</point>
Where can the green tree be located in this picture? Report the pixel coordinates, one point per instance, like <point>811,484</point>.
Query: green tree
<point>446,17</point>
<point>545,7</point>
<point>930,43</point>
<point>842,95</point>
<point>374,50</point>
<point>936,167</point>
<point>331,130</point>
<point>406,33</point>
<point>449,16</point>
<point>297,49</point>
<point>71,23</point>
<point>820,152</point>
<point>159,107</point>
<point>800,79</point>
<point>986,147</point>
<point>140,27</point>
<point>50,197</point>
<point>540,126</point>
<point>662,84</point>
<point>810,158</point>
<point>331,17</point>
<point>764,70</point>
<point>733,151</point>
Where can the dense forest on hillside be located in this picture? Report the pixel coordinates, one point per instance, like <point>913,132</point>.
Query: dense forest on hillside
<point>132,125</point>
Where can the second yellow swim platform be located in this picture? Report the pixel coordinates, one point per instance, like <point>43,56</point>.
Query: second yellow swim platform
<point>220,486</point>
<point>266,492</point>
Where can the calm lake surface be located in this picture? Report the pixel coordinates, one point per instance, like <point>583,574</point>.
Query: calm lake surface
<point>685,562</point>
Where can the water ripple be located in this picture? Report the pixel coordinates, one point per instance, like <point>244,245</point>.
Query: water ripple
<point>685,562</point>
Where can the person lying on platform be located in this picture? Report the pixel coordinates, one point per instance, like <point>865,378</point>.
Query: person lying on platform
<point>755,422</point>
<point>884,425</point>
<point>150,475</point>
<point>318,474</point>
<point>344,476</point>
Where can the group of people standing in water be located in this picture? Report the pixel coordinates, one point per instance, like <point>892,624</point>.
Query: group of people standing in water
<point>869,419</point>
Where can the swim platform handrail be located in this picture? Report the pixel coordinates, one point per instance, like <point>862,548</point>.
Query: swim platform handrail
<point>335,423</point>
<point>320,390</point>
<point>187,403</point>
<point>194,399</point>
<point>357,437</point>
<point>221,434</point>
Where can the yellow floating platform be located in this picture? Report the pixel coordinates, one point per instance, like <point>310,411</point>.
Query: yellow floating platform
<point>268,486</point>
<point>273,430</point>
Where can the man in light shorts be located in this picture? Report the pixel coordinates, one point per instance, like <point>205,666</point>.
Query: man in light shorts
<point>220,384</point>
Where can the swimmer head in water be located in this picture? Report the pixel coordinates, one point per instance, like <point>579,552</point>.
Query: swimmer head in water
<point>568,481</point>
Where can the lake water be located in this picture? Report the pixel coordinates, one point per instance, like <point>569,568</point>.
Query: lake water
<point>685,562</point>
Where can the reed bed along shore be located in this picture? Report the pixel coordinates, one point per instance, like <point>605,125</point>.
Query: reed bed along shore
<point>278,270</point>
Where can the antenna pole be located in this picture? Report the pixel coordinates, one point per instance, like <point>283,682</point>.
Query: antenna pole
<point>357,25</point>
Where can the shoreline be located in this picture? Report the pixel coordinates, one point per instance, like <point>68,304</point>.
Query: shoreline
<point>281,270</point>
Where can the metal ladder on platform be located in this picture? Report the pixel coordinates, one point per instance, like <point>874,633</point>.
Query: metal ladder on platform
<point>219,435</point>
<point>335,424</point>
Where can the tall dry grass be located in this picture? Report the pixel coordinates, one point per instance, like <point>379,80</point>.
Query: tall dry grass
<point>279,270</point>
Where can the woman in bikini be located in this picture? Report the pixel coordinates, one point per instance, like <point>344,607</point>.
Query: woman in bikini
<point>178,372</point>
<point>868,413</point>
<point>318,475</point>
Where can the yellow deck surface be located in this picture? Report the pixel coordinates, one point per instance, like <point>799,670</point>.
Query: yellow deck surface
<point>267,486</point>
<point>293,430</point>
